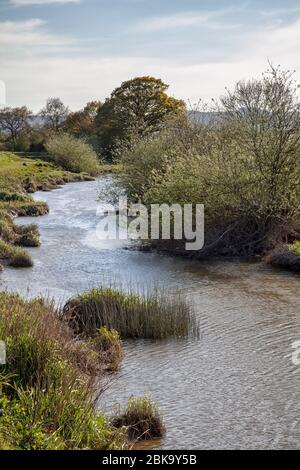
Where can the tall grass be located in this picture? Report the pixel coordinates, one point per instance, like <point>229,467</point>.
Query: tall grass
<point>47,387</point>
<point>155,316</point>
<point>14,256</point>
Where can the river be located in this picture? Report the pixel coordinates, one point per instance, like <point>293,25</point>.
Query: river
<point>234,388</point>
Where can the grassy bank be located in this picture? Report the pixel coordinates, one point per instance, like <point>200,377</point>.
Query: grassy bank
<point>49,386</point>
<point>47,389</point>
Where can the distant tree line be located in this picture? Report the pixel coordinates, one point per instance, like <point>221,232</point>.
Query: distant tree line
<point>137,108</point>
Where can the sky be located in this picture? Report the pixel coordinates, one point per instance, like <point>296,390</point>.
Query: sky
<point>80,50</point>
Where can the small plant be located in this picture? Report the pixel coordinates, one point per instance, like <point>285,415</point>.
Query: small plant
<point>107,343</point>
<point>156,316</point>
<point>14,256</point>
<point>141,418</point>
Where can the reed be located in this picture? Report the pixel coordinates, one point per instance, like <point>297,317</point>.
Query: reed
<point>154,316</point>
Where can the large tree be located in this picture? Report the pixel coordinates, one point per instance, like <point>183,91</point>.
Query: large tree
<point>14,121</point>
<point>137,107</point>
<point>54,113</point>
<point>82,123</point>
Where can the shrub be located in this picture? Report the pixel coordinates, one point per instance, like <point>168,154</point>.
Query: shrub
<point>156,316</point>
<point>73,154</point>
<point>141,418</point>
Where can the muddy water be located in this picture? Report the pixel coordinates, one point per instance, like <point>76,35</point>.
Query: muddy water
<point>236,387</point>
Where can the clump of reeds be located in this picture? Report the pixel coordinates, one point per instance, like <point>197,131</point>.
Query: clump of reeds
<point>154,316</point>
<point>141,418</point>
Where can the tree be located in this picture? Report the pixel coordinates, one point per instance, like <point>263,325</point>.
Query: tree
<point>82,123</point>
<point>263,119</point>
<point>137,107</point>
<point>14,121</point>
<point>54,113</point>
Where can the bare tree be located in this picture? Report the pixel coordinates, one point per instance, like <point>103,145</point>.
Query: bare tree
<point>54,113</point>
<point>14,121</point>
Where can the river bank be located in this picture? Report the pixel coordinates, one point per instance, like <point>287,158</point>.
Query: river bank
<point>20,176</point>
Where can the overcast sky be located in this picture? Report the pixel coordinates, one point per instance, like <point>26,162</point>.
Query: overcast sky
<point>80,50</point>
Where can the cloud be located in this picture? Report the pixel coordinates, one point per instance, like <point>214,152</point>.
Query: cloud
<point>34,73</point>
<point>183,20</point>
<point>28,33</point>
<point>21,3</point>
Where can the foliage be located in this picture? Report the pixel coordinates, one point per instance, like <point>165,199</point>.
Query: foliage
<point>46,397</point>
<point>73,154</point>
<point>138,107</point>
<point>54,113</point>
<point>244,166</point>
<point>14,121</point>
<point>82,123</point>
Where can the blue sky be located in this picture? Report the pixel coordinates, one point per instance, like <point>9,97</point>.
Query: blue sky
<point>81,49</point>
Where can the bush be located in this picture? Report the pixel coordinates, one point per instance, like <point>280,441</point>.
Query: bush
<point>141,418</point>
<point>156,316</point>
<point>73,154</point>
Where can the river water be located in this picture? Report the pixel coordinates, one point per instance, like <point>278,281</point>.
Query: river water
<point>234,388</point>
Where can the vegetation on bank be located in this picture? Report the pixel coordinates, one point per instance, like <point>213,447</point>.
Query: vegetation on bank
<point>241,160</point>
<point>47,388</point>
<point>285,256</point>
<point>156,316</point>
<point>50,384</point>
<point>19,176</point>
<point>73,154</point>
<point>140,418</point>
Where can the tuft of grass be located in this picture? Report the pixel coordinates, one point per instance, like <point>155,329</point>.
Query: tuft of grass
<point>141,419</point>
<point>156,316</point>
<point>14,256</point>
<point>107,343</point>
<point>47,386</point>
<point>295,247</point>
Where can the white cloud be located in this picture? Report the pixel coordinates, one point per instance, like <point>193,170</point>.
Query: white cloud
<point>28,33</point>
<point>183,20</point>
<point>40,2</point>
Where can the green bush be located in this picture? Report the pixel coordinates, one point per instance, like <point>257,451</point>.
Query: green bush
<point>73,154</point>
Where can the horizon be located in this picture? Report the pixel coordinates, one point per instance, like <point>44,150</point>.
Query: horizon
<point>80,50</point>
